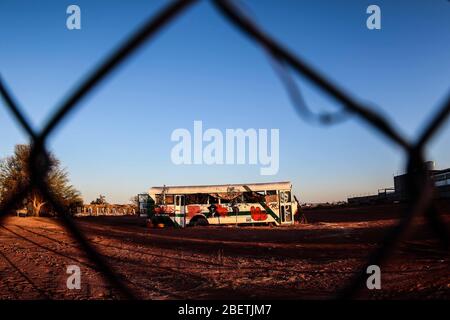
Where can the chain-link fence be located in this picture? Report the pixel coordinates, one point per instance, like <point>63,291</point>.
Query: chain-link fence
<point>419,185</point>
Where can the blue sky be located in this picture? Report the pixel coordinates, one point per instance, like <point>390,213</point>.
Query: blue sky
<point>201,68</point>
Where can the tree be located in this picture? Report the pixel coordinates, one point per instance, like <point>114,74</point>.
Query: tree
<point>134,200</point>
<point>15,172</point>
<point>100,200</point>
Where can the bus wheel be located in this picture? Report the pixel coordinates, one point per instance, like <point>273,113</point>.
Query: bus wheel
<point>199,221</point>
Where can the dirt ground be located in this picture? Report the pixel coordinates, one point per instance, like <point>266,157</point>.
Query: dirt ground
<point>309,261</point>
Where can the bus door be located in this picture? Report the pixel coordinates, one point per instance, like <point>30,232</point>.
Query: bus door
<point>285,207</point>
<point>180,210</point>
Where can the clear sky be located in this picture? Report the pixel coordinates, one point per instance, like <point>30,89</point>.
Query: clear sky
<point>202,68</point>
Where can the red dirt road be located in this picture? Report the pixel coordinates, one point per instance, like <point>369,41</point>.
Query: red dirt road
<point>299,262</point>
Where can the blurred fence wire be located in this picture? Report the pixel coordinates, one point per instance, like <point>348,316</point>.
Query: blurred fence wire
<point>419,184</point>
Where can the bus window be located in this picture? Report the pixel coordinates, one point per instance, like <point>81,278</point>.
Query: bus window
<point>191,199</point>
<point>202,198</point>
<point>285,196</point>
<point>253,197</point>
<point>271,196</point>
<point>197,198</point>
<point>169,199</point>
<point>212,200</point>
<point>158,199</point>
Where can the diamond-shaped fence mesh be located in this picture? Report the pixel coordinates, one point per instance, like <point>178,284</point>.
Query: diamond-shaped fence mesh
<point>419,184</point>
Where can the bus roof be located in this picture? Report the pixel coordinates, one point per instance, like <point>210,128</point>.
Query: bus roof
<point>221,188</point>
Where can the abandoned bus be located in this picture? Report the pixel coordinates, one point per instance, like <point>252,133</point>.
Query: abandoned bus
<point>257,203</point>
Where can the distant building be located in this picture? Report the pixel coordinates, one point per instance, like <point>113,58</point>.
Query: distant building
<point>398,193</point>
<point>106,210</point>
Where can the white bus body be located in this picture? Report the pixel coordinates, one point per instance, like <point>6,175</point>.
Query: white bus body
<point>257,203</point>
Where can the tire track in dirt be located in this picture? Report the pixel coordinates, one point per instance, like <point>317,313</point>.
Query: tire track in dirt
<point>14,256</point>
<point>16,288</point>
<point>211,263</point>
<point>221,280</point>
<point>185,275</point>
<point>46,265</point>
<point>100,242</point>
<point>331,273</point>
<point>318,252</point>
<point>153,260</point>
<point>58,252</point>
<point>180,277</point>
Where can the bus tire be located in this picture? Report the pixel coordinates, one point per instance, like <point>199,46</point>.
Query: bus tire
<point>199,221</point>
